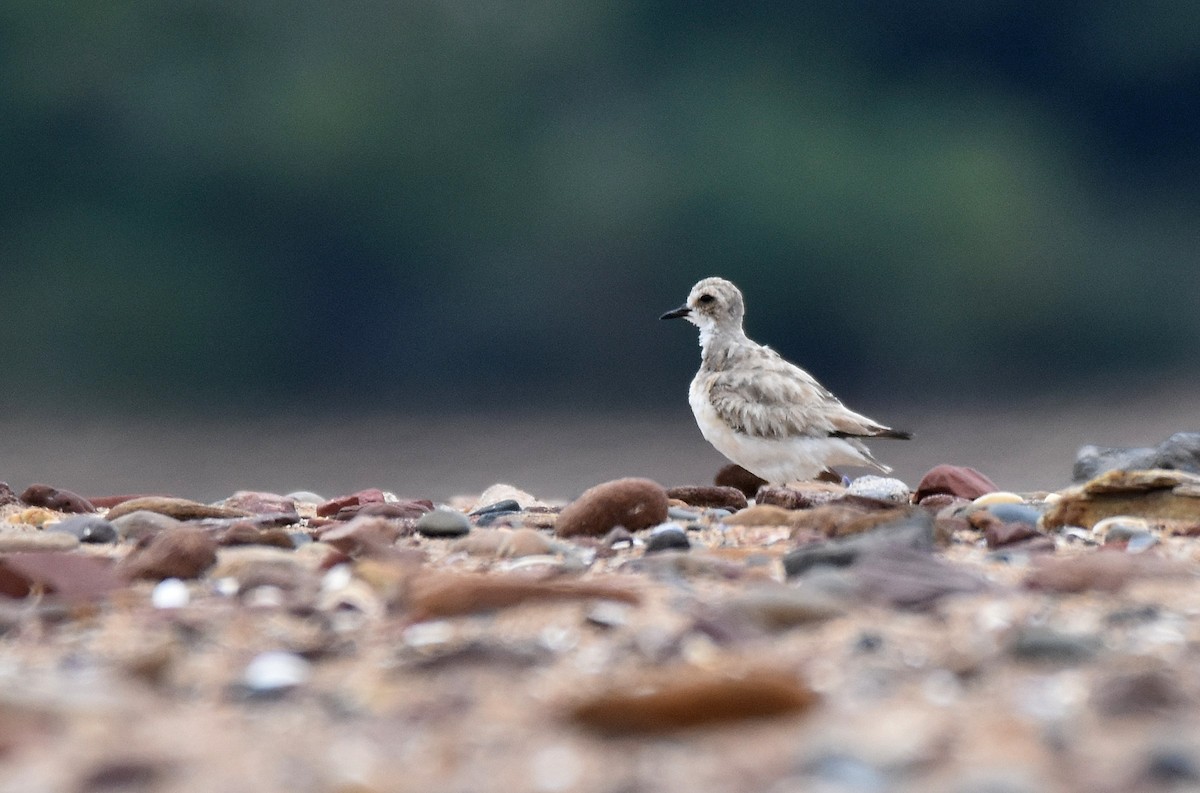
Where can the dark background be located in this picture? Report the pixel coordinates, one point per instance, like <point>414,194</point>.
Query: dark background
<point>218,213</point>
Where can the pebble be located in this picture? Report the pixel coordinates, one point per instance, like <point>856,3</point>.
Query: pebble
<point>246,533</point>
<point>362,534</point>
<point>435,595</point>
<point>911,578</point>
<point>805,496</point>
<point>86,528</point>
<point>505,506</point>
<point>633,503</point>
<point>687,515</point>
<point>76,577</point>
<point>618,537</point>
<point>609,614</point>
<point>524,542</point>
<point>914,531</point>
<point>954,480</point>
<point>1013,512</point>
<point>443,522</point>
<point>305,497</point>
<point>1172,765</point>
<point>18,541</point>
<point>179,553</point>
<point>482,542</point>
<point>141,523</point>
<point>686,698</point>
<point>1046,644</point>
<point>369,496</point>
<point>502,492</point>
<point>1153,691</point>
<point>724,497</point>
<point>170,593</point>
<point>260,503</point>
<point>880,487</point>
<point>178,508</point>
<point>274,673</point>
<point>7,496</point>
<point>1152,495</point>
<point>996,498</point>
<point>777,608</point>
<point>667,537</point>
<point>735,476</point>
<point>55,499</point>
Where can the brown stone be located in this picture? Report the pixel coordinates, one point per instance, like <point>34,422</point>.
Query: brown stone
<point>800,496</point>
<point>954,480</point>
<point>178,508</point>
<point>390,509</point>
<point>735,476</point>
<point>245,533</point>
<point>175,553</point>
<point>1100,571</point>
<point>1153,495</point>
<point>333,506</point>
<point>73,576</point>
<point>685,698</point>
<point>632,503</point>
<point>435,595</point>
<point>525,542</point>
<point>260,503</point>
<point>361,535</point>
<point>714,497</point>
<point>761,515</point>
<point>58,500</point>
<point>998,533</point>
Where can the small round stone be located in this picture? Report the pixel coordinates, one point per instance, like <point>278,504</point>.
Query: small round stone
<point>275,672</point>
<point>443,522</point>
<point>170,593</point>
<point>997,497</point>
<point>87,528</point>
<point>881,488</point>
<point>667,537</point>
<point>143,523</point>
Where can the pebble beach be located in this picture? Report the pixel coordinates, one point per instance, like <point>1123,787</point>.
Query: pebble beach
<point>872,634</point>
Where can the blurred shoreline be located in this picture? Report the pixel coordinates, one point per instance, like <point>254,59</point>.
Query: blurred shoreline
<point>1023,445</point>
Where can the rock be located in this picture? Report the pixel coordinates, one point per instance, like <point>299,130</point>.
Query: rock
<point>801,496</point>
<point>246,533</point>
<point>1098,571</point>
<point>7,496</point>
<point>86,528</point>
<point>954,480</point>
<point>18,541</point>
<point>141,524</point>
<point>880,488</point>
<point>1168,766</point>
<point>668,536</point>
<point>362,535</point>
<point>1152,691</point>
<point>335,505</point>
<point>482,542</point>
<point>735,476</point>
<point>688,515</point>
<point>443,522</point>
<point>997,498</point>
<point>998,534</point>
<point>1180,452</point>
<point>844,517</point>
<point>776,608</point>
<point>633,503</point>
<point>1045,644</point>
<point>55,499</point>
<point>618,536</point>
<point>761,515</point>
<point>520,543</point>
<point>178,508</point>
<point>306,497</point>
<point>388,509</point>
<point>730,498</point>
<point>1013,513</point>
<point>500,492</point>
<point>1159,495</point>
<point>686,698</point>
<point>179,553</point>
<point>434,595</point>
<point>910,578</point>
<point>260,503</point>
<point>914,530</point>
<point>274,673</point>
<point>170,593</point>
<point>74,577</point>
<point>939,501</point>
<point>108,502</point>
<point>502,507</point>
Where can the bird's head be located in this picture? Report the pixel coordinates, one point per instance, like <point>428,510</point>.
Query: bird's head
<point>714,304</point>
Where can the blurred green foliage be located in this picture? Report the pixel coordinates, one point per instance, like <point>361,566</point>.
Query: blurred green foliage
<point>213,202</point>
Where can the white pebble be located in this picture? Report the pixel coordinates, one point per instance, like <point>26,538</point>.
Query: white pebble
<point>170,593</point>
<point>999,497</point>
<point>276,670</point>
<point>425,634</point>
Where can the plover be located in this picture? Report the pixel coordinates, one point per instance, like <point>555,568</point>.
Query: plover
<point>767,415</point>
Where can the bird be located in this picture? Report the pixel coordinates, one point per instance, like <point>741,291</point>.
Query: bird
<point>765,414</point>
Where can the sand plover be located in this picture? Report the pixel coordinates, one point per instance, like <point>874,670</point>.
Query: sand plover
<point>763,413</point>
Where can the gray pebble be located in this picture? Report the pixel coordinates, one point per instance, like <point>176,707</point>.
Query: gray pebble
<point>86,528</point>
<point>679,513</point>
<point>880,487</point>
<point>505,506</point>
<point>443,522</point>
<point>141,524</point>
<point>668,536</point>
<point>306,497</point>
<point>274,673</point>
<point>1046,644</point>
<point>1015,513</point>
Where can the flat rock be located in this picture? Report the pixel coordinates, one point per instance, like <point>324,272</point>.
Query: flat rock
<point>800,496</point>
<point>729,498</point>
<point>371,495</point>
<point>442,594</point>
<point>1179,452</point>
<point>260,503</point>
<point>246,533</point>
<point>53,498</point>
<point>1154,495</point>
<point>139,524</point>
<point>361,535</point>
<point>178,508</point>
<point>912,531</point>
<point>179,553</point>
<point>686,698</point>
<point>633,503</point>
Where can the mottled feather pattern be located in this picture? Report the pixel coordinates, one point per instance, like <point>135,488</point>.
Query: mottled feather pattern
<point>762,412</point>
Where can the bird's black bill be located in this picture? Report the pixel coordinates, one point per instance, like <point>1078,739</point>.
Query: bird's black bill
<point>682,311</point>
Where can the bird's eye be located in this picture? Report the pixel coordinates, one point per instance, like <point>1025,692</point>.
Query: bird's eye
<point>705,299</point>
